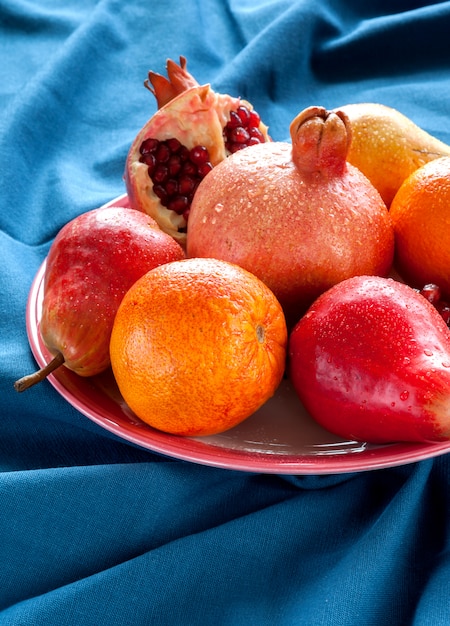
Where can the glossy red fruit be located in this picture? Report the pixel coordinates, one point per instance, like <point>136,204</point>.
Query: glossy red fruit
<point>370,361</point>
<point>91,264</point>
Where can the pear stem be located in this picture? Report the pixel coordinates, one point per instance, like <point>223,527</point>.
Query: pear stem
<point>32,379</point>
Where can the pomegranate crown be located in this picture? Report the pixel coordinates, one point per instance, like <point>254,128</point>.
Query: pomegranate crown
<point>320,140</point>
<point>166,89</point>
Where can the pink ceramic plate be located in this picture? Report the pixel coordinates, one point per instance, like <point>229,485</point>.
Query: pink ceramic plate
<point>280,438</point>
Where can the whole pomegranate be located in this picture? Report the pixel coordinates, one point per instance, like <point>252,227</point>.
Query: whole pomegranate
<point>193,130</point>
<point>297,215</point>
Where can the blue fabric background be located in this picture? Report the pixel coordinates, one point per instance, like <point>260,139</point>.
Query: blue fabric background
<point>95,531</point>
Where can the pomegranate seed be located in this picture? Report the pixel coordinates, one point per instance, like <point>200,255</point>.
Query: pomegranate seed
<point>179,204</point>
<point>173,144</point>
<point>431,292</point>
<point>239,135</point>
<point>254,119</point>
<point>162,153</point>
<point>204,168</point>
<point>160,173</point>
<point>184,154</point>
<point>234,120</point>
<point>186,185</point>
<point>445,314</point>
<point>199,155</point>
<point>149,159</point>
<point>255,133</point>
<point>174,164</point>
<point>171,187</point>
<point>161,193</point>
<point>148,145</point>
<point>189,169</point>
<point>234,147</point>
<point>244,115</point>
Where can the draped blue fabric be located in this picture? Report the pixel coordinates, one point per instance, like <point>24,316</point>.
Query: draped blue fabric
<point>97,531</point>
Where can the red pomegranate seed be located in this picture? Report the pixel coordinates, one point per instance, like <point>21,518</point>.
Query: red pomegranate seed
<point>445,314</point>
<point>244,115</point>
<point>199,155</point>
<point>234,147</point>
<point>160,173</point>
<point>188,169</point>
<point>256,134</point>
<point>149,159</point>
<point>186,185</point>
<point>254,119</point>
<point>179,204</point>
<point>161,193</point>
<point>174,164</point>
<point>431,292</point>
<point>184,154</point>
<point>173,144</point>
<point>242,129</point>
<point>234,120</point>
<point>149,145</point>
<point>204,168</point>
<point>239,135</point>
<point>171,187</point>
<point>162,153</point>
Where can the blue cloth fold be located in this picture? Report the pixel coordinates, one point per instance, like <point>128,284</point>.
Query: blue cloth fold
<point>95,530</point>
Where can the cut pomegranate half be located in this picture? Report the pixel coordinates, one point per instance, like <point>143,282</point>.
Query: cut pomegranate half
<point>193,130</point>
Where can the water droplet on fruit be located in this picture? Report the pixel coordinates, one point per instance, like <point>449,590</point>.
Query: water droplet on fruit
<point>445,364</point>
<point>406,360</point>
<point>428,352</point>
<point>404,395</point>
<point>392,404</point>
<point>219,207</point>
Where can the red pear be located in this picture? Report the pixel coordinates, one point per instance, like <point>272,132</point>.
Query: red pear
<point>370,361</point>
<point>93,261</point>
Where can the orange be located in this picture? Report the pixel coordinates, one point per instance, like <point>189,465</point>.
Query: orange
<point>420,214</point>
<point>197,346</point>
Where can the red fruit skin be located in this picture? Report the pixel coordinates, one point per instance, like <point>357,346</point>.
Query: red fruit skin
<point>93,261</point>
<point>370,361</point>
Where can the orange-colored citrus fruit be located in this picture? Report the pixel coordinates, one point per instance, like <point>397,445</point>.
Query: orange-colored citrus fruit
<point>197,346</point>
<point>420,214</point>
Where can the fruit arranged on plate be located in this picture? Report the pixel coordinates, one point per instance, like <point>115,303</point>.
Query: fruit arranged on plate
<point>371,361</point>
<point>295,214</point>
<point>194,129</point>
<point>198,346</point>
<point>387,146</point>
<point>280,237</point>
<point>93,261</point>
